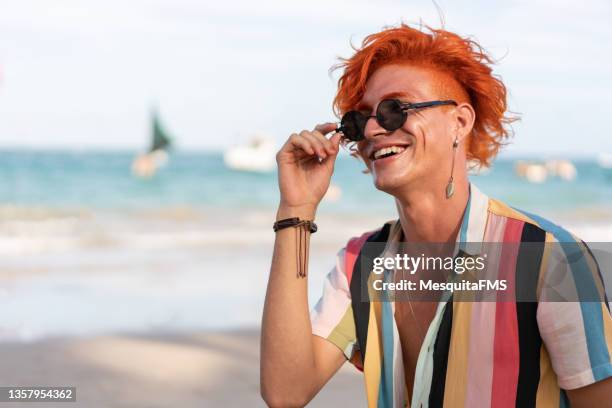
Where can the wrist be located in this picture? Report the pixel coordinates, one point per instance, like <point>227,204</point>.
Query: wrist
<point>304,212</point>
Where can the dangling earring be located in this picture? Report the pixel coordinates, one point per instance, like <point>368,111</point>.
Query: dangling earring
<point>450,187</point>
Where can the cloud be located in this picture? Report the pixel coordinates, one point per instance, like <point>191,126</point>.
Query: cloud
<point>83,73</point>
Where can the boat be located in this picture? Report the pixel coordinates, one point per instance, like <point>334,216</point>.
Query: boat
<point>564,169</point>
<point>257,155</point>
<point>147,164</point>
<point>539,172</point>
<point>532,172</point>
<point>605,163</point>
<point>605,160</point>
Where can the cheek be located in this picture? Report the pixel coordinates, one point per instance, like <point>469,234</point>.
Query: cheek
<point>430,136</point>
<point>418,132</point>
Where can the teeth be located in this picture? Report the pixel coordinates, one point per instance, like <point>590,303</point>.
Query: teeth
<point>387,150</point>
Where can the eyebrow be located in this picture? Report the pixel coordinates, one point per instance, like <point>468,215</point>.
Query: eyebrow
<point>390,95</point>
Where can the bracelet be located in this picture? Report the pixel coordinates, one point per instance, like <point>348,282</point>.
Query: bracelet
<point>303,226</point>
<point>294,222</point>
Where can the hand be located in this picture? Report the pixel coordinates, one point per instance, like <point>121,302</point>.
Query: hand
<point>305,166</point>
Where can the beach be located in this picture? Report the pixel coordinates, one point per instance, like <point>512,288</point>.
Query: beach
<point>127,328</point>
<point>199,369</point>
<point>154,309</point>
<point>149,293</point>
<point>139,154</point>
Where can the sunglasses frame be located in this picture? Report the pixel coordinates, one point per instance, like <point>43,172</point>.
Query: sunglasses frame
<point>404,106</point>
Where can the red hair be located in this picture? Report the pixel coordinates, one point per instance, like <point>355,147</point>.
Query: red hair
<point>463,60</point>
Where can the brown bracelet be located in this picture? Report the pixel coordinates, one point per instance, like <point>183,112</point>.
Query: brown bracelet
<point>294,222</point>
<point>303,226</point>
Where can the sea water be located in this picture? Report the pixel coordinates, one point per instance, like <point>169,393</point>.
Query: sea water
<point>103,180</point>
<point>86,248</point>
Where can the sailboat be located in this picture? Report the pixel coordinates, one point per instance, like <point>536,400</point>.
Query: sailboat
<point>146,164</point>
<point>258,155</point>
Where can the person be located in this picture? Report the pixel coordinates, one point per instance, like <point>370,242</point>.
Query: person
<point>419,106</point>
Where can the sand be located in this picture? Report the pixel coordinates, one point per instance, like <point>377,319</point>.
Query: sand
<point>211,369</point>
<point>107,275</point>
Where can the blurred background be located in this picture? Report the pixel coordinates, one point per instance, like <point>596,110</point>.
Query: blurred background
<point>137,179</point>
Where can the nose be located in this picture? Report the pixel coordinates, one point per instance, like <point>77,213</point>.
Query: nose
<point>372,129</point>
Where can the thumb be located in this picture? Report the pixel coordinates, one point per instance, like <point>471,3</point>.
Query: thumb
<point>335,140</point>
<point>331,159</point>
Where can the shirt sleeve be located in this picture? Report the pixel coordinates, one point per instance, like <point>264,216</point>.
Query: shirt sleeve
<point>577,332</point>
<point>332,316</point>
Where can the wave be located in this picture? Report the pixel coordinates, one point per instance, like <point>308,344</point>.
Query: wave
<point>35,230</point>
<point>25,231</point>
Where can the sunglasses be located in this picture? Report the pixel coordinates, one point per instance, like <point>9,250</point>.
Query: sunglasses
<point>391,114</point>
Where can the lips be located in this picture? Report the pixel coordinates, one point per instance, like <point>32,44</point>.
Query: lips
<point>387,151</point>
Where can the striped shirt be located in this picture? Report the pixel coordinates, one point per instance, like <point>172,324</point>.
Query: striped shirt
<point>475,354</point>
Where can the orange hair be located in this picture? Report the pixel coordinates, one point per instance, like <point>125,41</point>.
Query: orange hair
<point>462,59</point>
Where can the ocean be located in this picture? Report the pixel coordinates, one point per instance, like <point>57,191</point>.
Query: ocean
<point>86,248</point>
<point>102,180</point>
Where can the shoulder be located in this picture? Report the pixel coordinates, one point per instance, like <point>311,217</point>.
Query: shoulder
<point>355,244</point>
<point>378,234</point>
<point>553,231</point>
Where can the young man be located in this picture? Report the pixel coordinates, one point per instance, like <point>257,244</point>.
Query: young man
<point>419,106</point>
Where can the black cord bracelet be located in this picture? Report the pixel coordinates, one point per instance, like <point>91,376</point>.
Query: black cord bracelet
<point>294,222</point>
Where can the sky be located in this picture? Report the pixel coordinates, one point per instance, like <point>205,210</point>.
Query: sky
<point>85,74</point>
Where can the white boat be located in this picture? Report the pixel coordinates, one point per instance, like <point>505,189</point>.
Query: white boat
<point>564,169</point>
<point>605,160</point>
<point>539,172</point>
<point>532,172</point>
<point>258,155</point>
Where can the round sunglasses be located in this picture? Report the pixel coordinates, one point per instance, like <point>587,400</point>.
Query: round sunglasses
<point>391,114</point>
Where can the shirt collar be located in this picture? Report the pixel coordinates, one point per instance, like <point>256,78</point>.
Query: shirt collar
<point>474,221</point>
<point>471,234</point>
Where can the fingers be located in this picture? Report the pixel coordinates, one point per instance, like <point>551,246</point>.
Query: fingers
<point>335,140</point>
<point>330,145</point>
<point>296,140</point>
<point>315,143</point>
<point>318,143</point>
<point>325,128</point>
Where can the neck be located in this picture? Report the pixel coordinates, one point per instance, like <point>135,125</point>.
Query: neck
<point>426,215</point>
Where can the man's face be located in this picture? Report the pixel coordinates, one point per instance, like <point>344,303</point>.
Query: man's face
<point>426,137</point>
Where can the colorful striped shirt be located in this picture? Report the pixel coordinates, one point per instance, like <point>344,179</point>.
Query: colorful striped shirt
<point>475,354</point>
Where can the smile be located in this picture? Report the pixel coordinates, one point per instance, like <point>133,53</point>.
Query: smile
<point>388,152</point>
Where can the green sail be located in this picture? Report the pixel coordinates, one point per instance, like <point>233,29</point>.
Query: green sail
<point>161,140</point>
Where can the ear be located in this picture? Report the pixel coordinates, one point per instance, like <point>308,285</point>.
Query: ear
<point>464,120</point>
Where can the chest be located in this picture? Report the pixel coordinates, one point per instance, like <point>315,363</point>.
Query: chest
<point>413,320</point>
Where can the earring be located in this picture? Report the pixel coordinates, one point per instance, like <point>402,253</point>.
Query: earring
<point>450,187</point>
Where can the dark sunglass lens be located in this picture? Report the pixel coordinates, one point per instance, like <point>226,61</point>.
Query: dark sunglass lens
<point>390,115</point>
<point>353,124</point>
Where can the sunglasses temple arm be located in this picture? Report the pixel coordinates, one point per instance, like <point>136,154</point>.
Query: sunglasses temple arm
<point>427,104</point>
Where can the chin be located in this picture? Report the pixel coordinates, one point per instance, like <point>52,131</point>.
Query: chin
<point>393,178</point>
<point>391,182</point>
<point>388,186</point>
